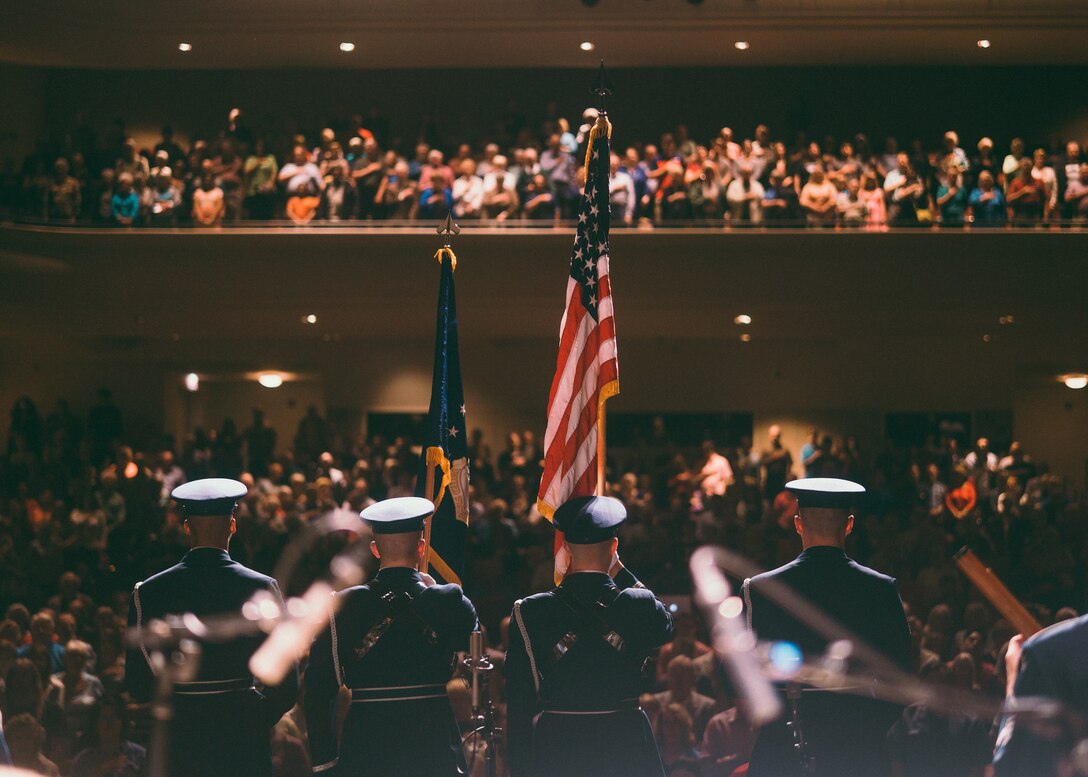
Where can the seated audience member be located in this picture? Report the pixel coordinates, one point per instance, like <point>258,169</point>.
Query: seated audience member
<point>468,192</point>
<point>621,191</point>
<point>681,678</point>
<point>125,202</point>
<point>165,200</point>
<point>539,202</point>
<point>985,161</point>
<point>208,204</point>
<point>26,737</point>
<point>339,199</point>
<point>676,742</point>
<point>227,169</point>
<point>398,192</point>
<point>65,194</point>
<point>873,197</point>
<point>745,196</point>
<point>819,199</point>
<point>368,172</point>
<point>22,690</point>
<point>501,202</point>
<point>780,204</point>
<point>987,203</point>
<point>1010,165</point>
<point>951,196</point>
<point>302,205</point>
<point>132,161</point>
<point>1046,175</point>
<point>499,170</point>
<point>727,743</point>
<point>300,174</point>
<point>1076,197</point>
<point>104,191</point>
<point>1026,196</point>
<point>75,693</point>
<point>436,200</point>
<point>108,751</point>
<point>43,647</point>
<point>259,182</point>
<point>851,206</point>
<point>911,200</point>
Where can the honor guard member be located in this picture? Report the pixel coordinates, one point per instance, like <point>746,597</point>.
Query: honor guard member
<point>221,717</point>
<point>1051,669</point>
<point>579,657</point>
<point>392,642</point>
<point>824,731</point>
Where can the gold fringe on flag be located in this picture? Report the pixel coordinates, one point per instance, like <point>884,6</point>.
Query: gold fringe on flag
<point>602,121</point>
<point>441,254</point>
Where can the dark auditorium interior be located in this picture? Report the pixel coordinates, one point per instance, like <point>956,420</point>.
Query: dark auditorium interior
<point>859,227</point>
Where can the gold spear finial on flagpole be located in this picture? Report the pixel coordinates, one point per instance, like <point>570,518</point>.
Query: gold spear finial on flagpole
<point>448,229</point>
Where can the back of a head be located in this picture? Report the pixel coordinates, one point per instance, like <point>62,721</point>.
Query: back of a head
<point>399,549</point>
<point>823,522</point>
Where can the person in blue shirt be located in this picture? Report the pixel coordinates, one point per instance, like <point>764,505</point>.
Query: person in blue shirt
<point>125,205</point>
<point>436,200</point>
<point>951,196</point>
<point>987,203</point>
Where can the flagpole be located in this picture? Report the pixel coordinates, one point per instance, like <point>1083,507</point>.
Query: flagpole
<point>447,229</point>
<point>602,88</point>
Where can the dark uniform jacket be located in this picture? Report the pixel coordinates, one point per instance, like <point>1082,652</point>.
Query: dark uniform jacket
<point>222,718</point>
<point>400,721</point>
<point>1053,664</point>
<point>578,714</point>
<point>845,734</point>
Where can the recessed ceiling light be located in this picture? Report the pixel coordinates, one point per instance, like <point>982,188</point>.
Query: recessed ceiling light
<point>984,44</point>
<point>741,45</point>
<point>185,47</point>
<point>587,46</point>
<point>270,379</point>
<point>310,319</point>
<point>746,338</point>
<point>1075,381</point>
<point>743,319</point>
<point>346,46</point>
<point>192,382</point>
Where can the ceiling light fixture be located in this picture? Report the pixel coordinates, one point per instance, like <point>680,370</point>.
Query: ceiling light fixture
<point>741,45</point>
<point>1077,380</point>
<point>587,46</point>
<point>185,47</point>
<point>742,320</point>
<point>310,319</point>
<point>984,44</point>
<point>270,379</point>
<point>346,46</point>
<point>192,382</point>
<point>746,338</point>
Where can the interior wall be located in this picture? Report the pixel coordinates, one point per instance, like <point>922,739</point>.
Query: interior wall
<point>24,95</point>
<point>1054,419</point>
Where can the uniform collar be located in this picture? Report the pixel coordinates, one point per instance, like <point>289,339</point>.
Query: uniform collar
<point>823,551</point>
<point>579,581</point>
<point>206,556</point>
<point>391,574</point>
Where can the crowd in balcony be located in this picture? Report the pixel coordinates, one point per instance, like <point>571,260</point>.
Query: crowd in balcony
<point>85,512</point>
<point>357,174</point>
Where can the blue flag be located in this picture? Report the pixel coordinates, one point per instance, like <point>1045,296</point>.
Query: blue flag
<point>444,459</point>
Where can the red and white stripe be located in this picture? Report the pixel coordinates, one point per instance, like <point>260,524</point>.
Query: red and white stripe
<point>587,364</point>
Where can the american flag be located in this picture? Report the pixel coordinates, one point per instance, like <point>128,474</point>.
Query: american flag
<point>587,370</point>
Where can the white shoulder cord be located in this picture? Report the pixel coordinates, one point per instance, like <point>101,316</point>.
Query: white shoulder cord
<point>528,644</point>
<point>335,647</point>
<point>748,601</point>
<point>139,624</point>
